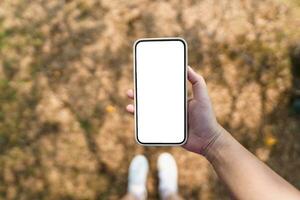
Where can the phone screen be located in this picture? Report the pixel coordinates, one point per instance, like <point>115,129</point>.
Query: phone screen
<point>160,72</point>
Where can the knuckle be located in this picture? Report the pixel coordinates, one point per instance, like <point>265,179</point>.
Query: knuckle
<point>200,78</point>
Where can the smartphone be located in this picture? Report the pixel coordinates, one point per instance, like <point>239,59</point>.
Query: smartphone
<point>160,77</point>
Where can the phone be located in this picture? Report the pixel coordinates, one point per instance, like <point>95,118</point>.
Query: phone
<point>160,77</point>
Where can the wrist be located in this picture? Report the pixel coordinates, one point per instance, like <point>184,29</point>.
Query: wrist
<point>218,143</point>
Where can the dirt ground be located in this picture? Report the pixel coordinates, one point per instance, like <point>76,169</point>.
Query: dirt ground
<point>65,67</point>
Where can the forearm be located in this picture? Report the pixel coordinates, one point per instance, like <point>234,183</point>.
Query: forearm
<point>245,176</point>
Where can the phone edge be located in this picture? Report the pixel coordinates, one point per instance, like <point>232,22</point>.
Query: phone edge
<point>185,88</point>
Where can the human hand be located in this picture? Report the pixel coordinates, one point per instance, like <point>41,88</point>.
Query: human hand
<point>202,125</point>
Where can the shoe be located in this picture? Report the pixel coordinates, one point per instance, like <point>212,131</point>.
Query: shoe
<point>167,175</point>
<point>137,177</point>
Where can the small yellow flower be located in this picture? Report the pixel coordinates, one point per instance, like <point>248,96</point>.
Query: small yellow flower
<point>270,140</point>
<point>110,109</point>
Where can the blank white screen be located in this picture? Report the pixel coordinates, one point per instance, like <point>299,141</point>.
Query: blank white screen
<point>160,91</point>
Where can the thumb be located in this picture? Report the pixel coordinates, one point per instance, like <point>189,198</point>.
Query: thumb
<point>198,84</point>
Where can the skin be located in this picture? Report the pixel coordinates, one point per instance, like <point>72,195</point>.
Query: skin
<point>245,176</point>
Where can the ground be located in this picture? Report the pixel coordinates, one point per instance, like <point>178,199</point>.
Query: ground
<point>65,67</point>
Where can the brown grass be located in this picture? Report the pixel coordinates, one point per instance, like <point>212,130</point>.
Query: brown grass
<point>65,67</point>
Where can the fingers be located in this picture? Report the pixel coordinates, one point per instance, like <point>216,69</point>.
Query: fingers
<point>198,83</point>
<point>130,108</point>
<point>130,93</point>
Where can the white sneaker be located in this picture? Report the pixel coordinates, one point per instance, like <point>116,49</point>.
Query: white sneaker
<point>167,174</point>
<point>137,177</point>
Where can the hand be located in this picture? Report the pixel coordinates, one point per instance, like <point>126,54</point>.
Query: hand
<point>203,126</point>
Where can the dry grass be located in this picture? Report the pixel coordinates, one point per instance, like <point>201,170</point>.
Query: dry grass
<point>65,67</point>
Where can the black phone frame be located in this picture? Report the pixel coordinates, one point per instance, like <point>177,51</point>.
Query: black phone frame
<point>185,91</point>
